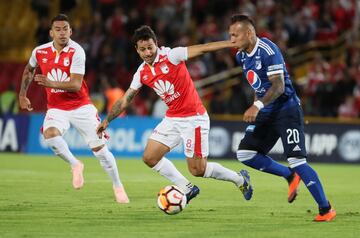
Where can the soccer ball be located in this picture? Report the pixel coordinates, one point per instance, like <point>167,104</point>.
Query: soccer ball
<point>171,200</point>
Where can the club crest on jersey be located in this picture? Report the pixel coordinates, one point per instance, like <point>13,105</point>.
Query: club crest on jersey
<point>145,77</point>
<point>253,79</point>
<point>257,64</point>
<point>66,61</point>
<point>164,68</point>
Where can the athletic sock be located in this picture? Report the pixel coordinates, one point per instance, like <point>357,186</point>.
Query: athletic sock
<point>168,170</point>
<point>266,164</point>
<point>108,162</point>
<point>217,171</point>
<point>59,146</point>
<point>312,182</point>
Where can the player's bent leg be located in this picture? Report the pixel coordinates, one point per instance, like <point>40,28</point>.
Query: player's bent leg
<point>154,158</point>
<point>58,145</point>
<point>108,162</point>
<point>313,184</point>
<point>198,166</point>
<point>154,152</point>
<point>262,162</point>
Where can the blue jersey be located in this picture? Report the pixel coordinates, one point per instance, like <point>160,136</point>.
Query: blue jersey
<point>265,60</point>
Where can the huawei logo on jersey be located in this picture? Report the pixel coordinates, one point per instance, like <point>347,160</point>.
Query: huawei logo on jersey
<point>59,76</point>
<point>165,90</point>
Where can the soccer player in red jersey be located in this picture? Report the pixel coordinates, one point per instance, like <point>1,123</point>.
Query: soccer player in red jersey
<point>62,64</point>
<point>164,70</point>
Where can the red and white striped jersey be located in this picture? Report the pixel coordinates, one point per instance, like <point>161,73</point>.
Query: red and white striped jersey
<point>170,79</point>
<point>58,66</point>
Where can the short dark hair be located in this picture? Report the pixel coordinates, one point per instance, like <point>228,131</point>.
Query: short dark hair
<point>60,17</point>
<point>241,18</point>
<point>143,33</point>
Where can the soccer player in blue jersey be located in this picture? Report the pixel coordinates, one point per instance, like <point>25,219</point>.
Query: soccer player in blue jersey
<point>276,112</point>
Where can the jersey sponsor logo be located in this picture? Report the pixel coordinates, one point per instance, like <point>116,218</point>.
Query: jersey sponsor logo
<point>59,76</point>
<point>44,60</point>
<point>42,52</point>
<point>253,79</point>
<point>164,68</point>
<point>165,90</point>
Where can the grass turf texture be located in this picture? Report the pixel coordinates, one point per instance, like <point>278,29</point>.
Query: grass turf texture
<point>37,200</point>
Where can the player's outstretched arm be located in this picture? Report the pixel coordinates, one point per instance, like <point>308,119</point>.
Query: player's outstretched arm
<point>27,77</point>
<point>120,105</point>
<point>197,50</point>
<point>73,85</point>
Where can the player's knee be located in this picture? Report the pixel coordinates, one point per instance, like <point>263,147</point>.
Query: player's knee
<point>245,155</point>
<point>51,132</point>
<point>98,149</point>
<point>150,160</point>
<point>296,161</point>
<point>197,171</point>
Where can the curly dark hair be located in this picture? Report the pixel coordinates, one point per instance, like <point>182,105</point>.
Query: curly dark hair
<point>143,33</point>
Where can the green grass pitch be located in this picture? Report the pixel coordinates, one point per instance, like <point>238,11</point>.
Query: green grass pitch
<point>37,200</point>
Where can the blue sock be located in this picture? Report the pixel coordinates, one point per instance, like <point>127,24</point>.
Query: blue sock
<point>265,163</point>
<point>312,182</point>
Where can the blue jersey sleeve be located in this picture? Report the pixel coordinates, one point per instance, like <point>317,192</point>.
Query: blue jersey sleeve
<point>274,63</point>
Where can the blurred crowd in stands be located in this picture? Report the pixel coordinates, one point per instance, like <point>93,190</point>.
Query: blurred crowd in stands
<point>329,87</point>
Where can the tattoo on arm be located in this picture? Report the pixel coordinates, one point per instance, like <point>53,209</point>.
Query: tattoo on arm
<point>129,96</point>
<point>275,90</point>
<point>121,105</point>
<point>115,110</point>
<point>27,77</point>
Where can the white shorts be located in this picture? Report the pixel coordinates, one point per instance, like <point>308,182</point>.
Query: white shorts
<point>84,119</point>
<point>193,131</point>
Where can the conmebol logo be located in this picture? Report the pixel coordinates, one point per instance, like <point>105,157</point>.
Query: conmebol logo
<point>163,89</point>
<point>58,75</point>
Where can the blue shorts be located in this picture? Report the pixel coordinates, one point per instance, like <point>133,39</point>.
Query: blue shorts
<point>287,124</point>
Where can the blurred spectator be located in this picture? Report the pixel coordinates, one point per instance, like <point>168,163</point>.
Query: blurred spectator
<point>112,93</point>
<point>41,7</point>
<point>105,37</point>
<point>9,102</point>
<point>42,31</point>
<point>348,109</point>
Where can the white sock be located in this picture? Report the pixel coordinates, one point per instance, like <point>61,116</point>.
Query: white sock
<point>108,162</point>
<point>217,171</point>
<point>167,169</point>
<point>61,149</point>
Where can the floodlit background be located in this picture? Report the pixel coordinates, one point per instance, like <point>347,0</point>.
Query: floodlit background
<point>321,44</point>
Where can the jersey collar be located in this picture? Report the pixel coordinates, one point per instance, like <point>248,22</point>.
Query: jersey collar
<point>65,49</point>
<point>255,48</point>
